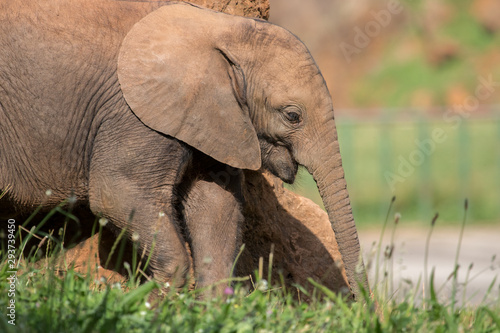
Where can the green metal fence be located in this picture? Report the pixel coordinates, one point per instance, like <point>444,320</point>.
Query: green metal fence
<point>431,161</point>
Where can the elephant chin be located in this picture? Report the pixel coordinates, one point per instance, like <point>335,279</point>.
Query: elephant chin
<point>278,160</point>
<point>284,171</point>
<point>287,174</point>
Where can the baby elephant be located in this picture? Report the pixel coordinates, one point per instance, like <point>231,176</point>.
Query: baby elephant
<point>148,112</point>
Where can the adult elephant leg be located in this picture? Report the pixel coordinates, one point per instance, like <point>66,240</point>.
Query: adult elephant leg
<point>213,216</point>
<point>133,173</point>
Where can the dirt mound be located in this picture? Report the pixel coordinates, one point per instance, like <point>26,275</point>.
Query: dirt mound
<point>296,229</point>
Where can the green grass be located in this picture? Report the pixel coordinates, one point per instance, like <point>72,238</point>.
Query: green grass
<point>73,303</point>
<point>47,301</point>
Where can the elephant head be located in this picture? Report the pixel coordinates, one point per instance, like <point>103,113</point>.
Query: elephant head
<point>247,93</point>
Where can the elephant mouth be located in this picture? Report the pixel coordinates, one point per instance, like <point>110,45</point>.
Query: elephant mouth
<point>278,159</point>
<point>286,170</point>
<point>290,174</point>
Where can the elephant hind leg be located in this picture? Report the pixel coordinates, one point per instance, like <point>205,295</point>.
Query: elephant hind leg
<point>213,218</point>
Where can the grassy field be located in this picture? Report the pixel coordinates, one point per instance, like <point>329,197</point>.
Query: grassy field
<point>41,298</point>
<point>73,303</point>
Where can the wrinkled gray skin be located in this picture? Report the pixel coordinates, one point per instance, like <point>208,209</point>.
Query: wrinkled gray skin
<point>158,119</point>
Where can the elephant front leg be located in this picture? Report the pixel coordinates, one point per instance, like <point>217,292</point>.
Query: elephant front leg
<point>213,219</point>
<point>133,173</point>
<point>148,218</point>
<point>152,227</point>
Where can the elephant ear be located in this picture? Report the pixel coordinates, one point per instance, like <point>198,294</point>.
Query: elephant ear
<point>178,82</point>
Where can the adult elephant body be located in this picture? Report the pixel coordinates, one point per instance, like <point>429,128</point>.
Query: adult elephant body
<point>148,112</point>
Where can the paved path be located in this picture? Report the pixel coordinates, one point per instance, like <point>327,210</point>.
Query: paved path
<point>479,245</point>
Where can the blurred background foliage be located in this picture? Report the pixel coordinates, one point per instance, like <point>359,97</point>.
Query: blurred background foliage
<point>397,72</point>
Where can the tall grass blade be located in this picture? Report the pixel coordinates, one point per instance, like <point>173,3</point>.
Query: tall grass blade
<point>466,282</point>
<point>328,293</point>
<point>488,291</point>
<point>397,217</point>
<point>242,248</point>
<point>432,290</point>
<point>426,257</point>
<point>457,254</point>
<point>150,255</point>
<point>113,248</point>
<point>131,300</point>
<point>379,245</point>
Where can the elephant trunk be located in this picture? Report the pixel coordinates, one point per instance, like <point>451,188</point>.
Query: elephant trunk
<point>326,168</point>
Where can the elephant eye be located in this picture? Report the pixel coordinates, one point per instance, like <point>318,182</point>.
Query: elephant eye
<point>292,115</point>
